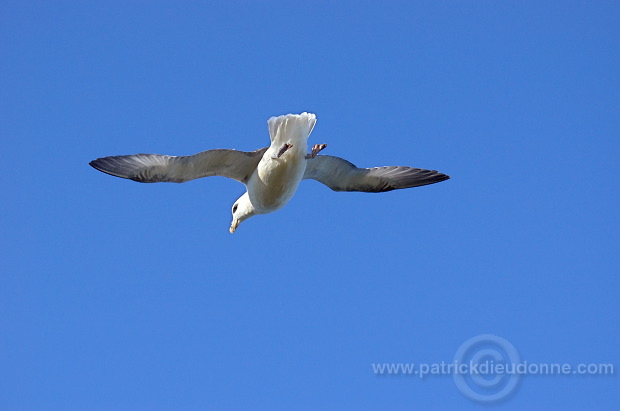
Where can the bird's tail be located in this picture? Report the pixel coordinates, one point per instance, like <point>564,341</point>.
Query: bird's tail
<point>291,128</point>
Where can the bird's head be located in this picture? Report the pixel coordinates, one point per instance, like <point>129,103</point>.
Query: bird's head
<point>241,211</point>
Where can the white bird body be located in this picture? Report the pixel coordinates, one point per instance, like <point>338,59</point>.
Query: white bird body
<point>271,174</point>
<point>275,180</point>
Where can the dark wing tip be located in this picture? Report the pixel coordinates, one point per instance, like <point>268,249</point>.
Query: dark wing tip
<point>103,164</point>
<point>116,166</point>
<point>98,164</point>
<point>398,177</point>
<point>439,177</point>
<point>422,177</point>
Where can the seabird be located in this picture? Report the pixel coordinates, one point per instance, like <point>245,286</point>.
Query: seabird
<point>271,174</point>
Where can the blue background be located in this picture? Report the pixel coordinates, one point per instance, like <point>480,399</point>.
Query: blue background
<point>118,295</point>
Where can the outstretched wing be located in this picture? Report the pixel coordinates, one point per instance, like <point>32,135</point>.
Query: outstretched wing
<point>340,175</point>
<point>154,168</point>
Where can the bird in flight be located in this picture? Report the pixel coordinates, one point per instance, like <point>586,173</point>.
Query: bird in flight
<point>271,174</point>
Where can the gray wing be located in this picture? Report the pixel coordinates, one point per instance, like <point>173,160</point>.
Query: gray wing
<point>340,175</point>
<point>154,168</point>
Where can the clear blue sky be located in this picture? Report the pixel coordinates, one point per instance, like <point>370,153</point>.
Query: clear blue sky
<point>119,295</point>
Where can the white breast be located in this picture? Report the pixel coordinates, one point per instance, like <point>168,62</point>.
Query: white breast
<point>276,179</point>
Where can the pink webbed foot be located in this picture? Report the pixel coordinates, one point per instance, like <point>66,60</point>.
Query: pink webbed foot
<point>283,150</point>
<point>315,150</point>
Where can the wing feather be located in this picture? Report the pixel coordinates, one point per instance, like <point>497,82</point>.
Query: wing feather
<point>341,175</point>
<point>154,168</point>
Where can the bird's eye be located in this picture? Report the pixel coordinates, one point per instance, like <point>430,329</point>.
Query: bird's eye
<point>235,208</point>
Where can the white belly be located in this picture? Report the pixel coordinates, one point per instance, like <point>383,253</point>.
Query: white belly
<point>276,179</point>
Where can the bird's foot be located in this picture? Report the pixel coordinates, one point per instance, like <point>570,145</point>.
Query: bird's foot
<point>283,150</point>
<point>315,150</point>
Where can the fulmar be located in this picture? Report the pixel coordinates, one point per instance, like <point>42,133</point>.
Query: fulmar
<point>271,174</point>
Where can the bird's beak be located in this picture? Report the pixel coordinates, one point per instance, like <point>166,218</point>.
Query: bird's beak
<point>234,226</point>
